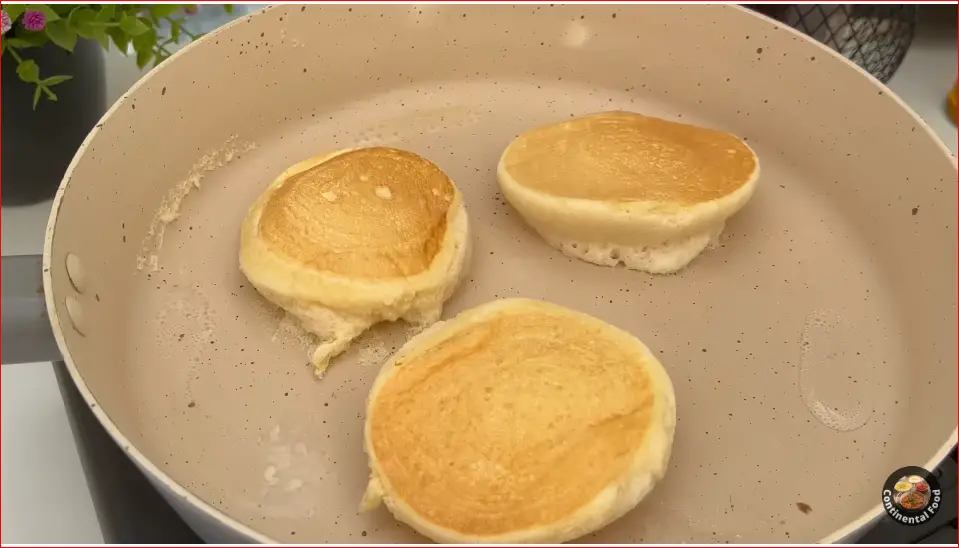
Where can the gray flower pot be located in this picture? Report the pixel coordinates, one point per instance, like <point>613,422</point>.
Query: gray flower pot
<point>38,145</point>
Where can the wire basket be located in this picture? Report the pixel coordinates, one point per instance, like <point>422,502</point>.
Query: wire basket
<point>875,37</point>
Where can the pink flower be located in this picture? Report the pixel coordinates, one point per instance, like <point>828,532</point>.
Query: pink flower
<point>5,22</point>
<point>34,20</point>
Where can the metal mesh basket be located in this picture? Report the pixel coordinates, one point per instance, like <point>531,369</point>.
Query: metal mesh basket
<point>875,37</point>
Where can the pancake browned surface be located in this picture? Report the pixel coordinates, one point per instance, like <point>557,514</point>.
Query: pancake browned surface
<point>630,158</point>
<point>620,187</point>
<point>370,213</point>
<point>518,421</point>
<point>348,239</point>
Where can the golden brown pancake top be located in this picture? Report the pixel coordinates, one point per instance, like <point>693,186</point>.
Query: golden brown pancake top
<point>627,157</point>
<point>511,423</point>
<point>369,213</point>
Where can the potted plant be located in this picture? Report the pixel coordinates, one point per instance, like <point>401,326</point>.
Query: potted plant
<point>53,80</point>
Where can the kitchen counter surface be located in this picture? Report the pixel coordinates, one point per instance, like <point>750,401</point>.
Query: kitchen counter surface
<point>45,494</point>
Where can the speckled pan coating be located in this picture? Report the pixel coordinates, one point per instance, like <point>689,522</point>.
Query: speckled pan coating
<point>849,245</point>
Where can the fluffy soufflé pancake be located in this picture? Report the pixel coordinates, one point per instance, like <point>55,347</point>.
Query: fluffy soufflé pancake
<point>514,422</point>
<point>628,157</point>
<point>367,213</point>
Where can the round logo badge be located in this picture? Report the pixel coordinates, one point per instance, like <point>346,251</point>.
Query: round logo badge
<point>911,495</point>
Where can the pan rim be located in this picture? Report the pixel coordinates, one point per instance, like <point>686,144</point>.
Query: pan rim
<point>843,534</point>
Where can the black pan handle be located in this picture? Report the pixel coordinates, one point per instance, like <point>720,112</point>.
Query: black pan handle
<point>27,336</point>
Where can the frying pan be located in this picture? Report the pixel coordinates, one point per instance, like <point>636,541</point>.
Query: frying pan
<point>812,351</point>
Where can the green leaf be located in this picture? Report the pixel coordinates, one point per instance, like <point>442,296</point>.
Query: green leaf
<point>119,38</point>
<point>54,80</point>
<point>36,96</point>
<point>175,31</point>
<point>61,34</point>
<point>132,25</point>
<point>163,10</point>
<point>83,21</point>
<point>71,17</point>
<point>228,8</point>
<point>29,38</point>
<point>18,43</point>
<point>145,41</point>
<point>14,10</point>
<point>63,10</point>
<point>146,22</point>
<point>106,13</point>
<point>99,34</point>
<point>144,57</point>
<point>47,10</point>
<point>28,71</point>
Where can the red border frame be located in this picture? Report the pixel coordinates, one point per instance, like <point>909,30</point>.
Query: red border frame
<point>954,227</point>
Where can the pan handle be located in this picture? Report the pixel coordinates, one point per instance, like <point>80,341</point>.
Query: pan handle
<point>27,336</point>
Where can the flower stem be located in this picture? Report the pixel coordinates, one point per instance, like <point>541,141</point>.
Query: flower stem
<point>182,27</point>
<point>15,55</point>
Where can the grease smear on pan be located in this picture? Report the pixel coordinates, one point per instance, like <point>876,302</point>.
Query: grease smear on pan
<point>288,327</point>
<point>833,376</point>
<point>290,478</point>
<point>169,210</point>
<point>188,318</point>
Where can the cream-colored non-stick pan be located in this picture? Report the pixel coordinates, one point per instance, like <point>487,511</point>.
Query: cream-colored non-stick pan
<point>813,351</point>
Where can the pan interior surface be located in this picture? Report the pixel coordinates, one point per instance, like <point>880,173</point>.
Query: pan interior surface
<point>812,350</point>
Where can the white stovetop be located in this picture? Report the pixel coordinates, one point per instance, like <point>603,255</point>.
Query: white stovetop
<point>45,496</point>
